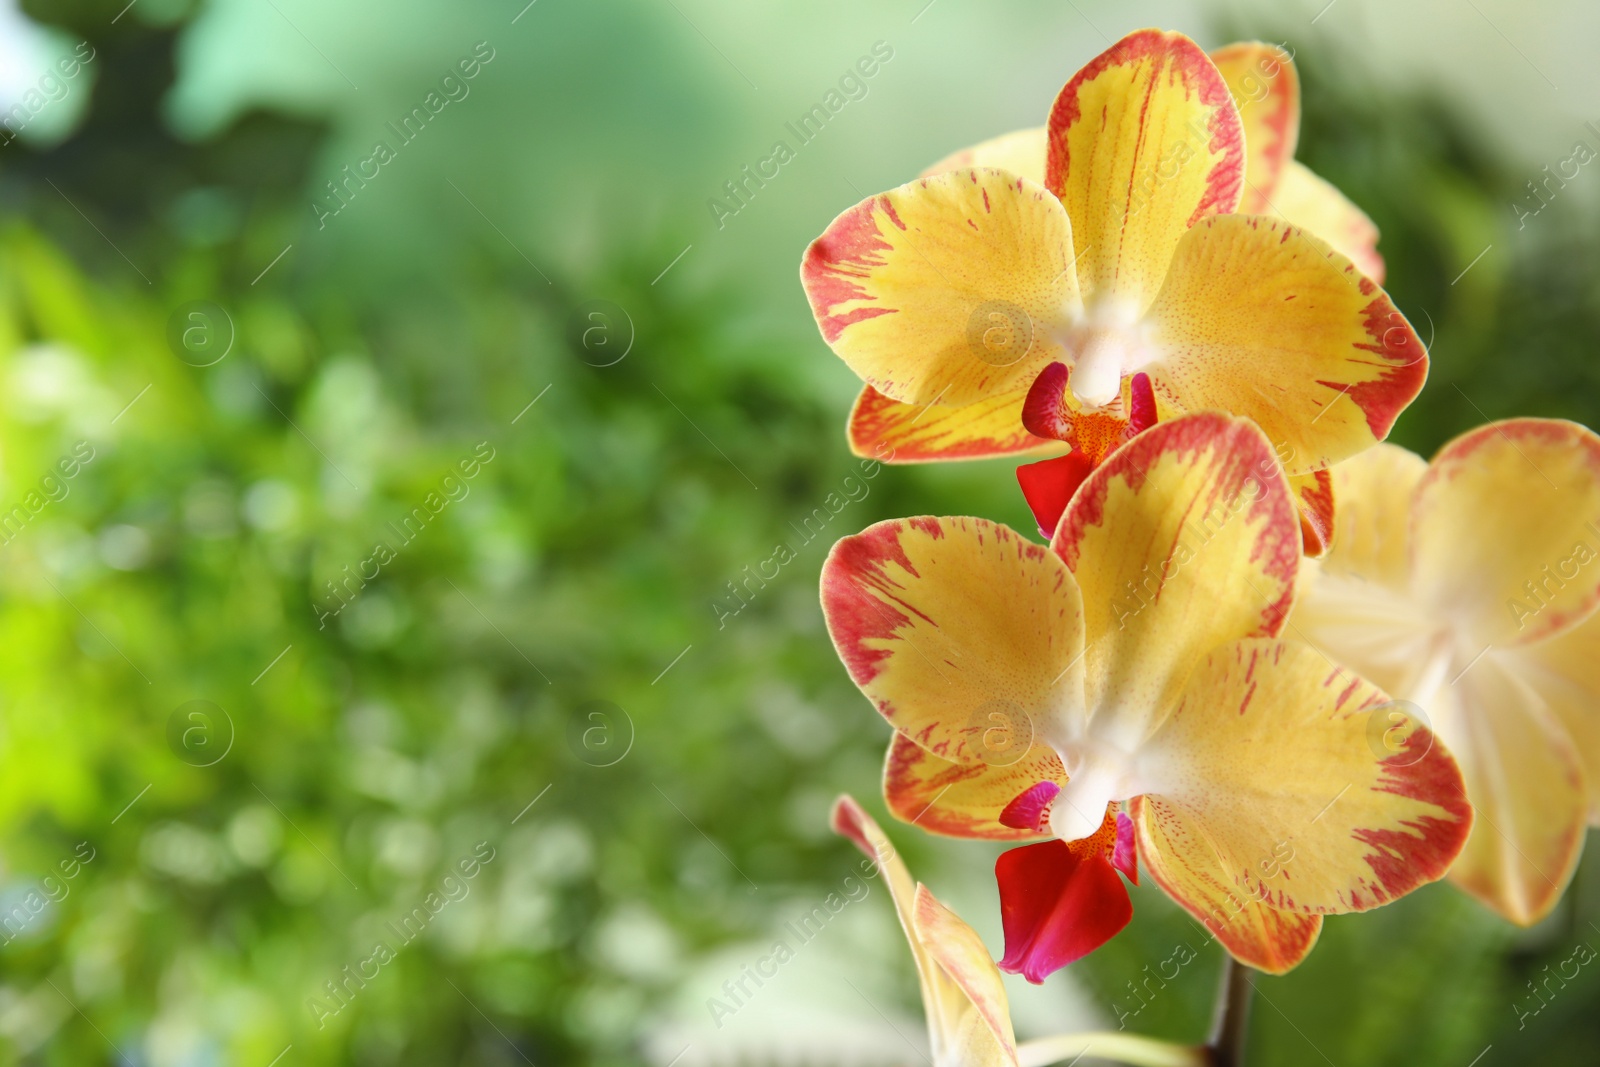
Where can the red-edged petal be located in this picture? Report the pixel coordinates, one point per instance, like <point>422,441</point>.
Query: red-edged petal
<point>1057,907</point>
<point>947,290</point>
<point>1263,320</point>
<point>1049,484</point>
<point>1031,808</point>
<point>892,432</point>
<point>1143,142</point>
<point>965,799</point>
<point>1183,539</point>
<point>1266,88</point>
<point>957,629</point>
<point>1125,857</point>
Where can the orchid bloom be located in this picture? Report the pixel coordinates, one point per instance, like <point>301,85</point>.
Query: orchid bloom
<point>1132,670</point>
<point>1266,89</point>
<point>1122,260</point>
<point>1469,586</point>
<point>969,1020</point>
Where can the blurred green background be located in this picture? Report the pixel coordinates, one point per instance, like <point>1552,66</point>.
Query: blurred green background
<point>550,637</point>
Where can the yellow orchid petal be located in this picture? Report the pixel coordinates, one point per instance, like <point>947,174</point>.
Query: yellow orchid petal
<point>1020,152</point>
<point>979,1034</point>
<point>1372,527</point>
<point>946,623</point>
<point>1506,530</point>
<point>851,821</point>
<point>1527,788</point>
<point>966,799</point>
<point>1183,540</point>
<point>947,290</point>
<point>1263,320</point>
<point>1273,778</point>
<point>1316,206</point>
<point>1143,142</point>
<point>955,992</point>
<point>1266,89</point>
<point>1265,938</point>
<point>887,430</point>
<point>1565,672</point>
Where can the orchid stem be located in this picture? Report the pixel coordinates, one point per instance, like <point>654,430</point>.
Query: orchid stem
<point>1112,1046</point>
<point>1231,1024</point>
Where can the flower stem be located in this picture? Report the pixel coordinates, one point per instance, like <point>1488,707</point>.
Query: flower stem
<point>1110,1045</point>
<point>1231,1023</point>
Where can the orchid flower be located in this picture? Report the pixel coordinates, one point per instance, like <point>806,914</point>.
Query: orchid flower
<point>969,1020</point>
<point>1266,88</point>
<point>1468,586</point>
<point>1124,262</point>
<point>1133,670</point>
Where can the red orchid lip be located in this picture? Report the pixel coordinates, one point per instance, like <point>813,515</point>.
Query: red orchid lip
<point>1125,856</point>
<point>1042,413</point>
<point>1057,905</point>
<point>1048,485</point>
<point>1060,901</point>
<point>1031,809</point>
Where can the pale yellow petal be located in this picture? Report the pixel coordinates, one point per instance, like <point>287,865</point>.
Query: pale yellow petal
<point>1020,152</point>
<point>1372,526</point>
<point>1565,672</point>
<point>1316,206</point>
<point>1506,531</point>
<point>1527,790</point>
